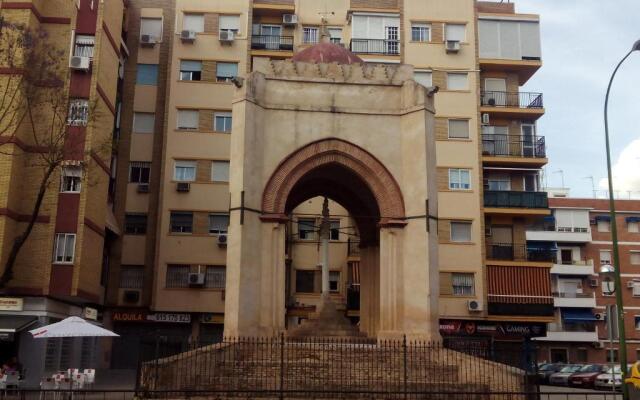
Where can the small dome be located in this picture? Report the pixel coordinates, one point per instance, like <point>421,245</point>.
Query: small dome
<point>327,53</point>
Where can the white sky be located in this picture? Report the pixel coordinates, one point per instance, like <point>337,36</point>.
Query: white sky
<point>582,41</point>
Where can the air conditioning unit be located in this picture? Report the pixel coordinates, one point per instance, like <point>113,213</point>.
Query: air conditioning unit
<point>183,187</point>
<point>147,40</point>
<point>474,305</point>
<point>631,284</point>
<point>599,316</point>
<point>187,36</point>
<point>80,63</point>
<point>227,36</point>
<point>485,119</point>
<point>593,282</point>
<point>196,279</point>
<point>598,345</point>
<point>290,19</point>
<point>131,296</point>
<point>453,46</point>
<point>222,240</point>
<point>143,188</point>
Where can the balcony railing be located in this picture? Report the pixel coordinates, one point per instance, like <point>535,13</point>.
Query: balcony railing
<point>353,248</point>
<point>511,99</point>
<point>514,199</point>
<point>519,252</point>
<point>272,42</point>
<point>513,146</point>
<point>566,295</point>
<point>375,46</point>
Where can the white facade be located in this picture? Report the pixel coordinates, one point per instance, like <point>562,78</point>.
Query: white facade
<point>509,39</point>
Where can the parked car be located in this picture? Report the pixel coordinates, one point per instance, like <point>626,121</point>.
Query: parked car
<point>546,370</point>
<point>611,378</point>
<point>586,376</point>
<point>562,377</point>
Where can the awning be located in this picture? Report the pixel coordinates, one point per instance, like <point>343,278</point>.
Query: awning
<point>603,218</point>
<point>549,218</point>
<point>16,323</point>
<point>632,219</point>
<point>578,315</point>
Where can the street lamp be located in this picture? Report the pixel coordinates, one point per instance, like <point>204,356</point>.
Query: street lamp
<point>614,232</point>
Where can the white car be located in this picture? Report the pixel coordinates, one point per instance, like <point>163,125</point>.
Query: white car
<point>609,380</point>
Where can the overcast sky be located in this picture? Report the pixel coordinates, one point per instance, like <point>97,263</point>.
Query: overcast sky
<point>582,41</point>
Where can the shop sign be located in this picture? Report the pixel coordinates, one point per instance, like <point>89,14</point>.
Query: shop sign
<point>129,316</point>
<point>11,304</point>
<point>90,313</point>
<point>170,317</point>
<point>497,329</point>
<point>211,318</point>
<point>143,316</point>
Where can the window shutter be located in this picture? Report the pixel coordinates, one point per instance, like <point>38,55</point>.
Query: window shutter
<point>459,128</point>
<point>446,286</point>
<point>151,27</point>
<point>188,119</point>
<point>193,22</point>
<point>143,122</point>
<point>457,81</point>
<point>455,32</point>
<point>227,70</point>
<point>424,78</point>
<point>190,65</point>
<point>229,22</point>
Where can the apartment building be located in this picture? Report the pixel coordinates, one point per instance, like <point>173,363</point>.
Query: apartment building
<point>60,271</point>
<point>187,57</point>
<point>580,229</point>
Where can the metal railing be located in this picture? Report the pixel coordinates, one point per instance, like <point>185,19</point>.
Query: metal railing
<point>566,295</point>
<point>515,199</point>
<point>375,46</point>
<point>272,42</point>
<point>511,99</point>
<point>513,146</point>
<point>518,252</point>
<point>354,247</point>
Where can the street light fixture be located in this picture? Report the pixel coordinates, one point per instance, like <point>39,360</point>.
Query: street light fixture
<point>614,232</point>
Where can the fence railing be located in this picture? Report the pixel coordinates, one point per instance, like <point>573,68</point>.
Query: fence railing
<point>511,99</point>
<point>272,42</point>
<point>375,46</point>
<point>353,247</point>
<point>281,367</point>
<point>515,199</point>
<point>513,146</point>
<point>519,252</point>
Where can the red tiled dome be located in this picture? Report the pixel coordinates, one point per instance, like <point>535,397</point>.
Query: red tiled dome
<point>327,53</point>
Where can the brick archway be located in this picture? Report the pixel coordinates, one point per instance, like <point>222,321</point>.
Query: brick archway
<point>328,152</point>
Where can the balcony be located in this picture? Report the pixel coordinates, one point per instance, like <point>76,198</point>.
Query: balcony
<point>574,300</point>
<point>570,333</point>
<point>272,43</point>
<point>376,46</point>
<point>262,6</point>
<point>574,268</point>
<point>353,248</point>
<point>521,202</point>
<point>519,291</point>
<point>508,149</point>
<point>512,104</point>
<point>559,234</point>
<point>519,252</point>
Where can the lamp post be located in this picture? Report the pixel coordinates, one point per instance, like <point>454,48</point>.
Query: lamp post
<point>614,233</point>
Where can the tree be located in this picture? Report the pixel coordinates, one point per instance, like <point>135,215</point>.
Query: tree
<point>36,112</point>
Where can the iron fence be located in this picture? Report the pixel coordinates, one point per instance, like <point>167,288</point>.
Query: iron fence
<point>375,46</point>
<point>513,146</point>
<point>272,42</point>
<point>519,252</point>
<point>515,199</point>
<point>511,99</point>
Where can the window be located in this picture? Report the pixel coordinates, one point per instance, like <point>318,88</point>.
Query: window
<point>178,276</point>
<point>462,284</point>
<point>501,182</point>
<point>306,228</point>
<point>139,171</point>
<point>457,81</point>
<point>185,171</point>
<point>456,32</point>
<point>603,225</point>
<point>78,112</point>
<point>147,74</point>
<point>226,71</point>
<point>151,27</point>
<point>84,46</point>
<point>613,352</point>
<point>135,224</point>
<point>335,34</point>
<point>188,119</point>
<point>230,23</point>
<point>218,223</point>
<point>193,22</point>
<point>131,277</point>
<point>605,257</point>
<point>334,281</point>
<point>633,227</point>
<point>461,232</point>
<point>190,70</point>
<point>64,248</point>
<point>636,322</point>
<point>71,180</point>
<point>425,78</point>
<point>459,179</point>
<point>222,122</point>
<point>220,171</point>
<point>459,128</point>
<point>215,277</point>
<point>309,35</point>
<point>144,122</point>
<point>334,233</point>
<point>635,257</point>
<point>181,222</point>
<point>305,281</point>
<point>420,32</point>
